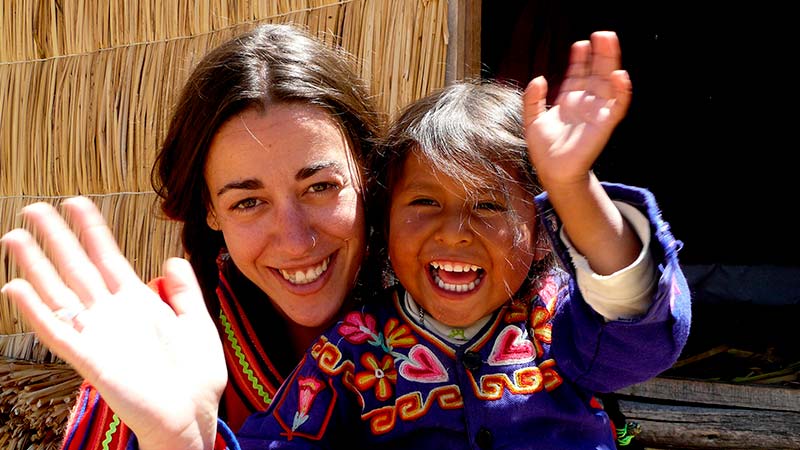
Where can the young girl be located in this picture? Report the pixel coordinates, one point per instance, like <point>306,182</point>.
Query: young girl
<point>484,341</point>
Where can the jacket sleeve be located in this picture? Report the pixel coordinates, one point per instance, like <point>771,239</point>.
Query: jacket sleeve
<point>92,424</point>
<point>605,356</point>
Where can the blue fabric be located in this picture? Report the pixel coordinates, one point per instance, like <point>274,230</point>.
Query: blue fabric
<point>526,381</point>
<point>227,435</point>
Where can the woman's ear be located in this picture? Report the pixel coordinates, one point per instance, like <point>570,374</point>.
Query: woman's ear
<point>211,220</point>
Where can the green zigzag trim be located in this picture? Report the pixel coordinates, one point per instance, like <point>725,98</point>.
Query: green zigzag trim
<point>112,428</point>
<point>245,366</point>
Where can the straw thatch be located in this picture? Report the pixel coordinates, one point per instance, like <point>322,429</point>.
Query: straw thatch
<point>86,89</point>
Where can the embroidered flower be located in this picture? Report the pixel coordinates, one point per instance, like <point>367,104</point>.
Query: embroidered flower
<point>308,388</point>
<point>516,312</point>
<point>541,328</point>
<point>380,375</point>
<point>358,328</point>
<point>397,336</point>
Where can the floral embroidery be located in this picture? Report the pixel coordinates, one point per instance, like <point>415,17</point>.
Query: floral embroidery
<point>397,336</point>
<point>308,388</point>
<point>358,328</point>
<point>517,311</point>
<point>541,328</point>
<point>381,375</point>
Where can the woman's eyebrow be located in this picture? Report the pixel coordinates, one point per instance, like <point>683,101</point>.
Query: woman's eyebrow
<point>309,171</point>
<point>248,183</point>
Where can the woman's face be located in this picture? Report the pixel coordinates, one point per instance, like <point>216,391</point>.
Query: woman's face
<point>286,195</point>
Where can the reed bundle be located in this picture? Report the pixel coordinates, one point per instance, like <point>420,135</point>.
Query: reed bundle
<point>35,403</point>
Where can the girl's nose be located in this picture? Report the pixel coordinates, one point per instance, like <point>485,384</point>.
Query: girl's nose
<point>454,229</point>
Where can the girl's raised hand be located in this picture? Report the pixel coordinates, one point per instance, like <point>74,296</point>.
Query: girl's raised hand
<point>565,140</point>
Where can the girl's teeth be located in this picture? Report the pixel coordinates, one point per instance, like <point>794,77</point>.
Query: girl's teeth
<point>450,267</point>
<point>456,287</point>
<point>307,276</point>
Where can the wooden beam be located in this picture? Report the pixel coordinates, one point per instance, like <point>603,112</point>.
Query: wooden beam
<point>754,396</point>
<point>692,427</point>
<point>464,44</point>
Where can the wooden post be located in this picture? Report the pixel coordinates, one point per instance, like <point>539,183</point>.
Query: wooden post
<point>464,45</point>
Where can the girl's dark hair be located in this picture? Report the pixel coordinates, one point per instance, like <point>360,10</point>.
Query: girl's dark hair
<point>269,65</point>
<point>470,131</point>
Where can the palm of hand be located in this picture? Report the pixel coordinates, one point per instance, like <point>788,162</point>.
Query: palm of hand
<point>143,357</point>
<point>565,140</point>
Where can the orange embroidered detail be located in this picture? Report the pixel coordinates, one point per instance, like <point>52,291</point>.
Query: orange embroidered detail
<point>411,407</point>
<point>527,380</point>
<point>551,377</point>
<point>541,328</point>
<point>398,336</point>
<point>380,375</point>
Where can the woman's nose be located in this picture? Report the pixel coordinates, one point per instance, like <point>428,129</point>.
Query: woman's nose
<point>294,230</point>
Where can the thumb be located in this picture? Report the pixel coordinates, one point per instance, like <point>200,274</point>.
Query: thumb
<point>534,100</point>
<point>181,289</point>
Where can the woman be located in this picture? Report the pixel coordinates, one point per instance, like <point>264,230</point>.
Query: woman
<point>262,165</point>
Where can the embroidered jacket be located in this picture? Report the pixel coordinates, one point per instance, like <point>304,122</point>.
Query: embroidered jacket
<point>247,326</point>
<point>378,379</point>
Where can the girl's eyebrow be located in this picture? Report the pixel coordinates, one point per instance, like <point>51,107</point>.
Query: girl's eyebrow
<point>309,171</point>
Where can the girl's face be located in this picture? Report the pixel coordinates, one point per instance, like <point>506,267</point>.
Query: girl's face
<point>459,259</point>
<point>286,194</point>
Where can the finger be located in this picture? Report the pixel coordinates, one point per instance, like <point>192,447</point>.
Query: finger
<point>66,253</point>
<point>39,271</point>
<point>623,87</point>
<point>605,59</point>
<point>181,288</point>
<point>578,69</point>
<point>99,243</point>
<point>58,335</point>
<point>534,100</point>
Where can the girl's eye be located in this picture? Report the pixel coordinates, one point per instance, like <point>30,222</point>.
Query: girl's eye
<point>423,202</point>
<point>321,187</point>
<point>246,204</point>
<point>490,206</point>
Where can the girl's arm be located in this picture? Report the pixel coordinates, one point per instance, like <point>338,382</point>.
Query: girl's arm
<point>565,140</point>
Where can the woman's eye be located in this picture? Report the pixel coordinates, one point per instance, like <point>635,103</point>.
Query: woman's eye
<point>321,187</point>
<point>246,204</point>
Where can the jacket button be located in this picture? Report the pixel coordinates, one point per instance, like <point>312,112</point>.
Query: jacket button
<point>471,360</point>
<point>484,438</point>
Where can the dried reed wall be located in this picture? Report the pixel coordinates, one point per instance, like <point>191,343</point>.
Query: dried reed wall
<point>86,90</point>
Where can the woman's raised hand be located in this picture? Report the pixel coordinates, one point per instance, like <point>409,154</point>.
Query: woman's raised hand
<point>157,362</point>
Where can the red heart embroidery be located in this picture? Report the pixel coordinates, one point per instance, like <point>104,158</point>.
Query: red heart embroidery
<point>422,366</point>
<point>511,347</point>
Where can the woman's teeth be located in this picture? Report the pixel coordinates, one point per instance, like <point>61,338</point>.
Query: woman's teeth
<point>305,276</point>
